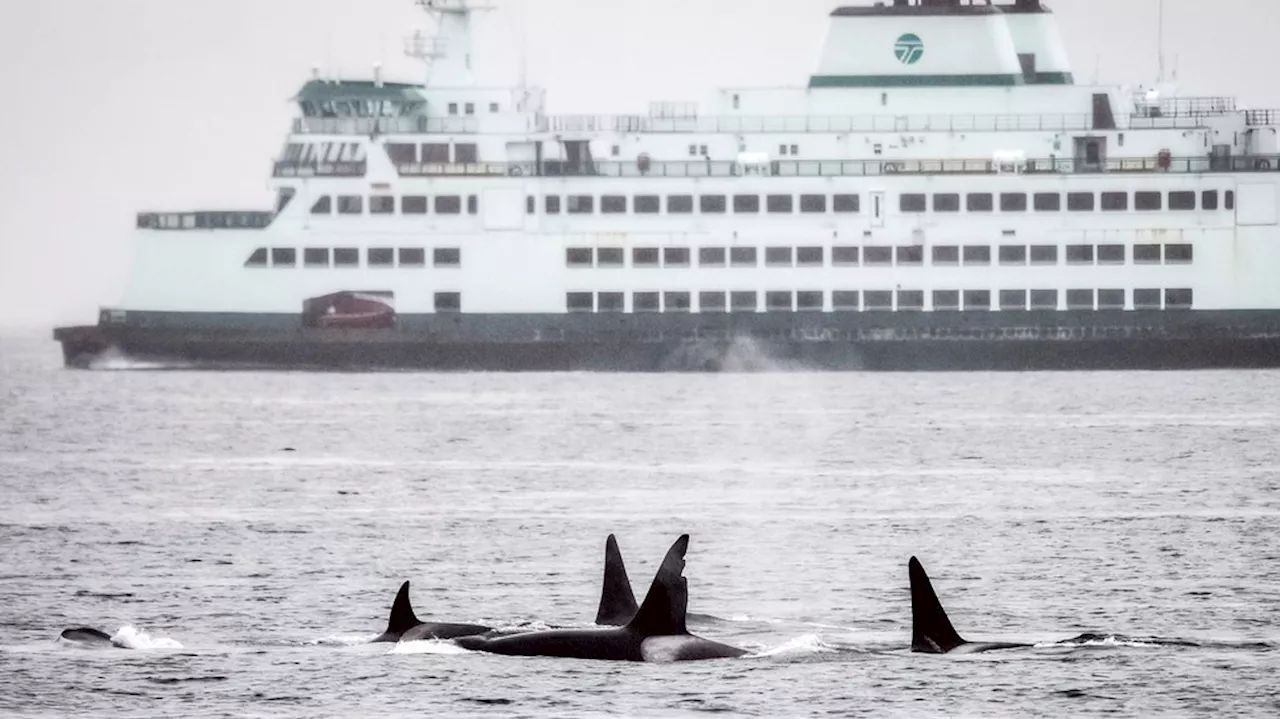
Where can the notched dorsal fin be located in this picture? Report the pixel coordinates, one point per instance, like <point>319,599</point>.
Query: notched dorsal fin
<point>663,611</point>
<point>402,617</point>
<point>931,630</point>
<point>617,602</point>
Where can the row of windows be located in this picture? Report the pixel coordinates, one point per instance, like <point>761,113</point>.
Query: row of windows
<point>1052,201</point>
<point>349,257</point>
<point>879,256</point>
<point>386,204</point>
<point>880,300</point>
<point>685,204</point>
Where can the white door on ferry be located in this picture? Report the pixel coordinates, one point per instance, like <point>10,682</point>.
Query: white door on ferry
<point>877,209</point>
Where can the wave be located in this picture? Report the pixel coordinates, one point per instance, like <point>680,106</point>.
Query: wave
<point>805,645</point>
<point>427,646</point>
<point>114,360</point>
<point>1116,640</point>
<point>130,637</point>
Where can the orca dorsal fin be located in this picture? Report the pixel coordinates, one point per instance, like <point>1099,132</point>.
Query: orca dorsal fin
<point>617,602</point>
<point>402,617</point>
<point>663,611</point>
<point>931,630</point>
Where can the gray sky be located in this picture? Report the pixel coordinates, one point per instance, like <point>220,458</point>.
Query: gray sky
<point>125,105</point>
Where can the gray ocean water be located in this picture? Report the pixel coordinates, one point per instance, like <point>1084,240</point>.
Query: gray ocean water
<point>1140,507</point>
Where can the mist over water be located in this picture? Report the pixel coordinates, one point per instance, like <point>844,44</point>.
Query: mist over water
<point>1140,510</point>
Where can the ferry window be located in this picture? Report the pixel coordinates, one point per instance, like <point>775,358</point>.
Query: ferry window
<point>580,302</point>
<point>284,197</point>
<point>1178,254</point>
<point>553,204</point>
<point>693,151</point>
<point>1209,200</point>
<point>910,255</point>
<point>912,203</point>
<point>778,301</point>
<point>346,257</point>
<point>711,204</point>
<point>977,300</point>
<point>1080,201</point>
<point>712,302</point>
<point>413,205</point>
<point>1080,299</point>
<point>448,205</point>
<point>648,204</point>
<point>877,256</point>
<point>846,301</point>
<point>746,203</point>
<point>1044,254</point>
<point>1013,300</point>
<point>795,150</point>
<point>1013,202</point>
<point>1151,201</point>
<point>777,256</point>
<point>879,300</point>
<point>675,257</point>
<point>257,259</point>
<point>446,257</point>
<point>645,302</point>
<point>493,107</point>
<point>910,300</point>
<point>979,202</point>
<point>809,301</point>
<point>465,153</point>
<point>977,255</point>
<point>1182,201</point>
<point>782,149</point>
<point>581,204</point>
<point>470,108</point>
<point>323,206</point>
<point>1013,254</point>
<point>453,108</point>
<point>382,205</point>
<point>813,204</point>
<point>531,205</point>
<point>315,257</point>
<point>1079,254</point>
<point>284,257</point>
<point>946,202</point>
<point>579,257</point>
<point>702,150</point>
<point>435,153</point>
<point>644,257</point>
<point>810,256</point>
<point>1048,202</point>
<point>613,204</point>
<point>737,102</point>
<point>1229,200</point>
<point>846,203</point>
<point>448,302</point>
<point>779,203</point>
<point>1146,254</point>
<point>413,257</point>
<point>743,301</point>
<point>610,257</point>
<point>1146,299</point>
<point>350,205</point>
<point>711,257</point>
<point>676,302</point>
<point>844,256</point>
<point>742,256</point>
<point>1044,299</point>
<point>381,257</point>
<point>611,302</point>
<point>946,255</point>
<point>1115,201</point>
<point>402,153</point>
<point>1179,299</point>
<point>679,204</point>
<point>944,300</point>
<point>1110,299</point>
<point>1111,254</point>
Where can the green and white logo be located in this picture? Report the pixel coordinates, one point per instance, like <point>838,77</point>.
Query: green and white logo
<point>909,49</point>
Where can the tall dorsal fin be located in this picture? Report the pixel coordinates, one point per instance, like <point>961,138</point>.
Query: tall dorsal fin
<point>402,617</point>
<point>663,611</point>
<point>617,602</point>
<point>931,630</point>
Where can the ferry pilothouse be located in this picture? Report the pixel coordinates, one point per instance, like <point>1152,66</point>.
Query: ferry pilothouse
<point>942,193</point>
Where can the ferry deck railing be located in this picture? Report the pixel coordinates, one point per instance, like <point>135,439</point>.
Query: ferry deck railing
<point>206,220</point>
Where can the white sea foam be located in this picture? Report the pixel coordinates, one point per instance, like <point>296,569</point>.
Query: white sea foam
<point>130,637</point>
<point>803,645</point>
<point>427,646</point>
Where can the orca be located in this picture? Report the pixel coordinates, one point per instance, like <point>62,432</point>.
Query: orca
<point>404,625</point>
<point>931,630</point>
<point>656,633</point>
<point>617,602</point>
<point>89,637</point>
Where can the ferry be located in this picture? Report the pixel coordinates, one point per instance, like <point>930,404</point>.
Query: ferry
<point>942,193</point>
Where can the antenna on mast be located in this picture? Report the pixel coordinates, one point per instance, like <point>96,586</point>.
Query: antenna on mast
<point>1160,39</point>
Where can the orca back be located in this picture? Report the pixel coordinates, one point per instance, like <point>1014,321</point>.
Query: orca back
<point>931,630</point>
<point>86,635</point>
<point>617,602</point>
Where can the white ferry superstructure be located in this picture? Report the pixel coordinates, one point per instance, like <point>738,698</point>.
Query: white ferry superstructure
<point>941,193</point>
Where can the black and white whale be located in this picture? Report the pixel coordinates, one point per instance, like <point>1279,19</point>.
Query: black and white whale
<point>656,633</point>
<point>931,630</point>
<point>89,637</point>
<point>404,625</point>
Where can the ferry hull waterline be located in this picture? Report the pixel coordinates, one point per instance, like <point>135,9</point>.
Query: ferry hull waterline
<point>940,194</point>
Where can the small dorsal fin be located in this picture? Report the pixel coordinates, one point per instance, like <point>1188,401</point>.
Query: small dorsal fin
<point>402,617</point>
<point>617,602</point>
<point>931,630</point>
<point>663,611</point>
